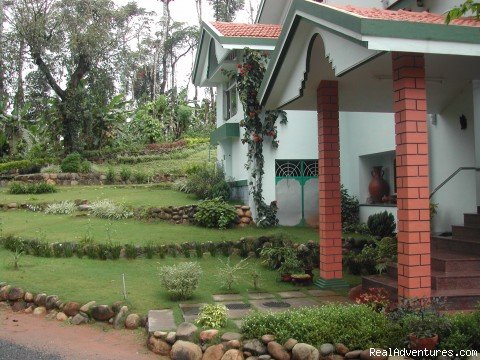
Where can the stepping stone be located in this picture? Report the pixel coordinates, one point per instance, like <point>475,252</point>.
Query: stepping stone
<point>259,296</point>
<point>161,320</point>
<point>235,310</point>
<point>302,302</point>
<point>227,297</point>
<point>291,294</point>
<point>259,305</point>
<point>238,322</point>
<point>319,293</point>
<point>190,311</point>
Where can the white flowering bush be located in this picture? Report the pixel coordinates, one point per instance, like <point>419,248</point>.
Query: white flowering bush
<point>107,209</point>
<point>181,280</point>
<point>61,208</point>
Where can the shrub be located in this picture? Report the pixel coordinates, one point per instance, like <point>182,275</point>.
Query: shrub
<point>61,208</point>
<point>39,188</point>
<point>23,166</point>
<point>229,275</point>
<point>131,251</point>
<point>180,280</point>
<point>51,169</point>
<point>125,173</point>
<point>74,163</point>
<point>110,175</point>
<point>381,224</point>
<point>212,316</point>
<point>106,209</point>
<point>207,182</point>
<point>350,208</point>
<point>215,213</point>
<point>332,323</point>
<point>140,177</point>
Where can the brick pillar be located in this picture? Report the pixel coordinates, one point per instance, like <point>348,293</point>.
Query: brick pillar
<point>410,105</point>
<point>330,221</point>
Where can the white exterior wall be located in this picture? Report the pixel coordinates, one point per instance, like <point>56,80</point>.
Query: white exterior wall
<point>298,141</point>
<point>451,148</point>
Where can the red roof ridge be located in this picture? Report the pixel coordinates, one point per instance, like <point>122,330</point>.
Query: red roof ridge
<point>424,17</point>
<point>230,29</point>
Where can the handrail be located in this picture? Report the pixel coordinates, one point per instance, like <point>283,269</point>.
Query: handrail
<point>451,177</point>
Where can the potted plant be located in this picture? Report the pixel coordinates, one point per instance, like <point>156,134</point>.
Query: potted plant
<point>289,266</point>
<point>424,324</point>
<point>302,279</point>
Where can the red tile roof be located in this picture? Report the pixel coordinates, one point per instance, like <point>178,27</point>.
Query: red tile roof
<point>248,30</point>
<point>403,15</point>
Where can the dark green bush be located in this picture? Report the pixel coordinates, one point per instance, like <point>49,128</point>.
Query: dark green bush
<point>131,251</point>
<point>39,188</point>
<point>23,166</point>
<point>110,175</point>
<point>350,208</point>
<point>74,163</point>
<point>125,173</point>
<point>215,213</point>
<point>207,182</point>
<point>356,326</point>
<point>381,224</point>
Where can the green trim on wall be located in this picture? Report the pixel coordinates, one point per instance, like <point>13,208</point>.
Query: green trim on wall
<point>226,131</point>
<point>239,183</point>
<point>331,284</point>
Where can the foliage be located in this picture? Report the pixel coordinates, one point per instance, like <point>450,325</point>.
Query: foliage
<point>469,6</point>
<point>107,209</point>
<point>259,125</point>
<point>275,256</point>
<point>125,173</point>
<point>381,224</point>
<point>215,213</point>
<point>462,332</point>
<point>61,208</point>
<point>212,316</point>
<point>22,166</point>
<point>422,317</point>
<point>110,175</point>
<point>226,10</point>
<point>74,163</point>
<point>433,210</point>
<point>140,177</point>
<point>17,188</point>
<point>375,298</point>
<point>332,323</point>
<point>386,252</point>
<point>180,280</point>
<point>207,181</point>
<point>229,274</point>
<point>350,208</point>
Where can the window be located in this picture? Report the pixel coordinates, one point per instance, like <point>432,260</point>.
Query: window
<point>230,101</point>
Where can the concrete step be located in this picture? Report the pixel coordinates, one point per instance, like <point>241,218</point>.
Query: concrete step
<point>458,280</point>
<point>466,233</point>
<point>455,245</point>
<point>471,220</point>
<point>466,299</point>
<point>449,261</point>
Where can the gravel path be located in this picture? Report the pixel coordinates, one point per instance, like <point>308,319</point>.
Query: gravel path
<point>11,351</point>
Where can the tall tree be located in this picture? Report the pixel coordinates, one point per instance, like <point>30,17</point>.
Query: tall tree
<point>66,39</point>
<point>3,91</point>
<point>225,10</point>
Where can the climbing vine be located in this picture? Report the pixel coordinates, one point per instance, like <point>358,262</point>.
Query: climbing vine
<point>260,126</point>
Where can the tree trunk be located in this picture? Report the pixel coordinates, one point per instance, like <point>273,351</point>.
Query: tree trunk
<point>166,35</point>
<point>20,93</point>
<point>3,93</point>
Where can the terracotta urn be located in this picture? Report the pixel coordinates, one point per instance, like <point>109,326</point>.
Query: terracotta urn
<point>378,187</point>
<point>417,343</point>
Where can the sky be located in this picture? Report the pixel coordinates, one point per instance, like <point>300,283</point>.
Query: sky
<point>185,11</point>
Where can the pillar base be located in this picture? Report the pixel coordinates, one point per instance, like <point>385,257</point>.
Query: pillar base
<point>331,284</point>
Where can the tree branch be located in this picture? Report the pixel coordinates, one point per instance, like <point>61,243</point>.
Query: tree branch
<point>82,68</point>
<point>37,58</point>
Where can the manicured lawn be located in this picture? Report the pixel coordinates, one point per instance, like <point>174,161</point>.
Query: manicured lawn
<point>72,228</point>
<point>166,166</point>
<point>130,195</point>
<point>84,280</point>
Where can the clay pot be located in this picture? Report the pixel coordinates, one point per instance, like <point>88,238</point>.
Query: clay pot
<point>378,187</point>
<point>423,343</point>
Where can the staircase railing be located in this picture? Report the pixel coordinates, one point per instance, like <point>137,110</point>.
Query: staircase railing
<point>442,184</point>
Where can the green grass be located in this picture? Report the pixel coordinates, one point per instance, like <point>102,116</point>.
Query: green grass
<point>84,280</point>
<point>142,195</point>
<point>166,166</point>
<point>72,228</point>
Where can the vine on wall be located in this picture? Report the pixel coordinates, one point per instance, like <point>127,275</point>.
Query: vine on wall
<point>260,126</point>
